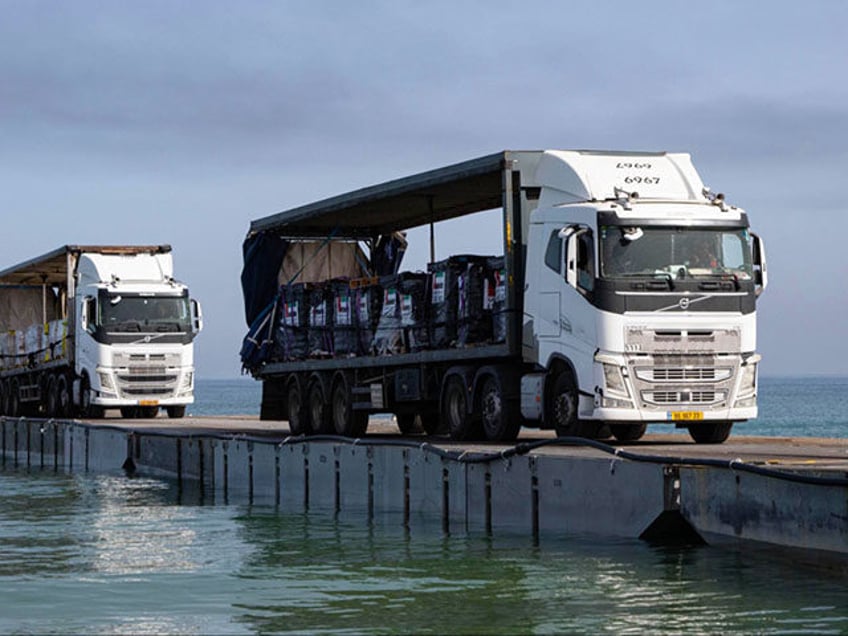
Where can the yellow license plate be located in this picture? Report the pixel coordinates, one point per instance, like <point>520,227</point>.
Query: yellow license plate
<point>148,402</point>
<point>686,416</point>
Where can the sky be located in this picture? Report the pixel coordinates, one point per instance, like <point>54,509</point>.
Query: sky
<point>180,122</point>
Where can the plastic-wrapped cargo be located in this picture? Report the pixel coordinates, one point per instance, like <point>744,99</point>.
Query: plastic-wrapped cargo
<point>320,328</point>
<point>474,323</point>
<point>344,336</point>
<point>495,296</point>
<point>291,340</point>
<point>368,301</point>
<point>388,336</point>
<point>444,277</point>
<point>57,335</point>
<point>413,310</point>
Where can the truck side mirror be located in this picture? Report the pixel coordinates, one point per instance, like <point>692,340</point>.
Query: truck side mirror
<point>758,255</point>
<point>196,317</point>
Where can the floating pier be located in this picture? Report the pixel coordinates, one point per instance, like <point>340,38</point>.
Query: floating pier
<point>770,493</point>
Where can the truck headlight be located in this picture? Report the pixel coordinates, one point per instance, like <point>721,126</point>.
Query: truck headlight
<point>748,381</point>
<point>613,378</point>
<point>106,381</point>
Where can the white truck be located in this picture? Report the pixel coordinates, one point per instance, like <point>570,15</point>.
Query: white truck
<point>629,296</point>
<point>89,328</point>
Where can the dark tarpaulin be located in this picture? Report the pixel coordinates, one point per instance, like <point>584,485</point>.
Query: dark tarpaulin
<point>262,254</point>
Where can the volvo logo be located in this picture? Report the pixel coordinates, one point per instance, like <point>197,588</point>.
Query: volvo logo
<point>684,303</point>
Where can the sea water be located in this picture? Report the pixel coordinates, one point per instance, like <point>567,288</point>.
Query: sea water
<point>105,554</point>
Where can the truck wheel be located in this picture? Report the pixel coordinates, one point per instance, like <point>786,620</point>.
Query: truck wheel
<point>4,397</point>
<point>148,412</point>
<point>562,408</point>
<point>500,417</point>
<point>346,420</point>
<point>317,410</point>
<point>176,412</point>
<point>628,432</point>
<point>295,410</point>
<point>64,396</point>
<point>87,409</point>
<point>710,432</point>
<point>130,412</point>
<point>51,406</point>
<point>461,425</point>
<point>14,401</point>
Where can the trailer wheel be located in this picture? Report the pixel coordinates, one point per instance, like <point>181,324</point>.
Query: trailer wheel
<point>710,432</point>
<point>51,406</point>
<point>295,409</point>
<point>14,399</point>
<point>461,425</point>
<point>64,396</point>
<point>346,420</point>
<point>500,417</point>
<point>562,408</point>
<point>317,408</point>
<point>628,432</point>
<point>176,412</point>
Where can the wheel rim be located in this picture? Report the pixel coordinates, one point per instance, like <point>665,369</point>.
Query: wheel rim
<point>316,408</point>
<point>491,406</point>
<point>456,407</point>
<point>563,411</point>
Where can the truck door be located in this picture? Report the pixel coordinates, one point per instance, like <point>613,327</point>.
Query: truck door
<point>86,357</point>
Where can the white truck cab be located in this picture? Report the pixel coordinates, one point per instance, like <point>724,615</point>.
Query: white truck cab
<point>642,284</point>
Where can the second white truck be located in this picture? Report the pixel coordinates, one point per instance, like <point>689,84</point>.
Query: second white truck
<point>89,328</point>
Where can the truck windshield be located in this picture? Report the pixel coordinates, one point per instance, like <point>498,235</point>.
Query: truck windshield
<point>150,314</point>
<point>677,252</point>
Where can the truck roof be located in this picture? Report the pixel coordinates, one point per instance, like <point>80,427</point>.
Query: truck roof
<point>432,196</point>
<point>51,268</point>
<point>568,176</point>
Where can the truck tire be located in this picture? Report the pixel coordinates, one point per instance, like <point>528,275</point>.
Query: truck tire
<point>64,394</point>
<point>296,412</point>
<point>500,417</point>
<point>317,407</point>
<point>628,432</point>
<point>148,412</point>
<point>130,412</point>
<point>462,426</point>
<point>4,397</point>
<point>14,399</point>
<point>176,412</point>
<point>710,432</point>
<point>51,398</point>
<point>86,408</point>
<point>562,409</point>
<point>346,421</point>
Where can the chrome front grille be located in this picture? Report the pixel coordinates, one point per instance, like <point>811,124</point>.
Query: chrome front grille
<point>704,397</point>
<point>683,374</point>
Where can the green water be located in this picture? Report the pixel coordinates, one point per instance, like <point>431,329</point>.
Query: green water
<point>111,555</point>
